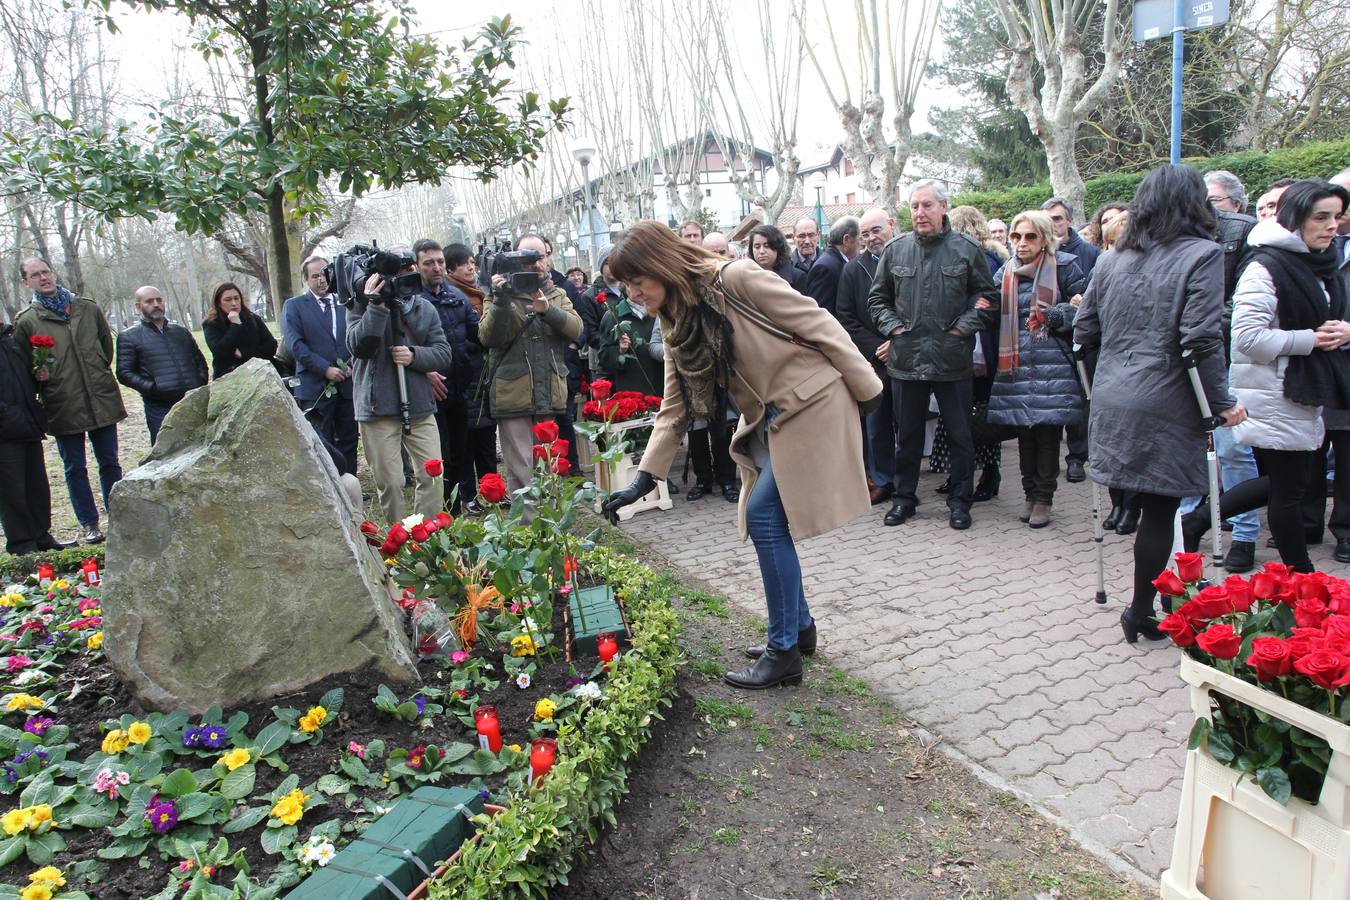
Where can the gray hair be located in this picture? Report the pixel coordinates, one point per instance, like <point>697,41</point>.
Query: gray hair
<point>840,231</point>
<point>938,188</point>
<point>1231,185</point>
<point>1058,201</point>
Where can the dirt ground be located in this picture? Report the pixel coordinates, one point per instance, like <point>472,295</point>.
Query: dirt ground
<point>818,791</point>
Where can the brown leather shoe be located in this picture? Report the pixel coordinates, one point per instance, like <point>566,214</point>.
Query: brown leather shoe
<point>880,495</point>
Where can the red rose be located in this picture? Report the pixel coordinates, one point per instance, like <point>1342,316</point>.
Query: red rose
<point>1280,570</point>
<point>628,395</point>
<point>444,519</point>
<point>420,533</point>
<point>591,410</point>
<point>434,467</point>
<point>1322,667</point>
<point>1240,592</point>
<point>602,297</point>
<point>1192,612</point>
<point>561,465</point>
<point>1168,584</point>
<point>42,342</point>
<point>1338,596</point>
<point>600,389</point>
<point>541,452</point>
<point>398,534</point>
<point>492,488</point>
<point>1308,587</point>
<point>627,408</point>
<point>369,527</point>
<point>1220,642</point>
<point>389,548</point>
<point>652,401</point>
<point>1212,602</point>
<point>1264,585</point>
<point>1190,567</point>
<point>1337,626</point>
<point>1309,613</point>
<point>559,447</point>
<point>1178,627</point>
<point>1271,657</point>
<point>546,432</point>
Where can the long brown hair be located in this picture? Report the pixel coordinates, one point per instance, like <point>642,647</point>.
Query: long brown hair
<point>215,312</point>
<point>651,249</point>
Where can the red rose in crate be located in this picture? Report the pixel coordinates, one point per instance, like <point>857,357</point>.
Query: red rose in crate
<point>492,488</point>
<point>444,519</point>
<point>434,467</point>
<point>591,410</point>
<point>1271,657</point>
<point>1190,566</point>
<point>1324,668</point>
<point>1220,642</point>
<point>559,447</point>
<point>1178,627</point>
<point>600,389</point>
<point>1309,587</point>
<point>653,402</point>
<point>1240,592</point>
<point>1265,585</point>
<point>1168,584</point>
<point>546,432</point>
<point>1212,602</point>
<point>627,408</point>
<point>1310,613</point>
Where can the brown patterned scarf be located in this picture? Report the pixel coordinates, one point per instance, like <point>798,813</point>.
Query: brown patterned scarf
<point>1044,294</point>
<point>699,343</point>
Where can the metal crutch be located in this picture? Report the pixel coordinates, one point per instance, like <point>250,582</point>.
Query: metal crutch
<point>1209,422</point>
<point>1098,536</point>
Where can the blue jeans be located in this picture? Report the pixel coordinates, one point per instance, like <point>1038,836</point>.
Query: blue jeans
<point>71,448</point>
<point>154,417</point>
<point>880,445</point>
<point>779,568</point>
<point>1236,465</point>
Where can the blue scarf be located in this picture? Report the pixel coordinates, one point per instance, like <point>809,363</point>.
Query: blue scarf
<point>60,303</point>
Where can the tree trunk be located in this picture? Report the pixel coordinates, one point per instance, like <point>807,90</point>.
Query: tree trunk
<point>1065,179</point>
<point>279,255</point>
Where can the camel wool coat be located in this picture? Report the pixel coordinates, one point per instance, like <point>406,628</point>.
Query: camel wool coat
<point>815,442</point>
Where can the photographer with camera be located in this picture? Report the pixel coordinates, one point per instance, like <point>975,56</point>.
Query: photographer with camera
<point>526,329</point>
<point>390,328</point>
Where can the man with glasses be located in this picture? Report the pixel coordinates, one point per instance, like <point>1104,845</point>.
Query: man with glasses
<point>158,359</point>
<point>806,236</point>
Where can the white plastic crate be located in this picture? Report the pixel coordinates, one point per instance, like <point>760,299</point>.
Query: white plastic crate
<point>618,476</point>
<point>1233,841</point>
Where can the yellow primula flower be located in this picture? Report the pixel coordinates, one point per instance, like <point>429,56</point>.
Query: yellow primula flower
<point>38,815</point>
<point>10,599</point>
<point>59,584</point>
<point>515,748</point>
<point>522,645</point>
<point>139,732</point>
<point>115,741</point>
<point>235,758</point>
<point>15,820</point>
<point>544,710</point>
<point>25,701</point>
<point>312,720</point>
<point>291,807</point>
<point>49,874</point>
<point>37,891</point>
<point>94,641</point>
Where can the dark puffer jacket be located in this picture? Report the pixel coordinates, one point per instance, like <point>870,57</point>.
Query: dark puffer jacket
<point>161,366</point>
<point>22,419</point>
<point>926,288</point>
<point>1044,388</point>
<point>636,370</point>
<point>460,324</point>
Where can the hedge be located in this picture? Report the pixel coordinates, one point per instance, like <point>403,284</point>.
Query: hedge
<point>530,847</point>
<point>1256,170</point>
<point>17,568</point>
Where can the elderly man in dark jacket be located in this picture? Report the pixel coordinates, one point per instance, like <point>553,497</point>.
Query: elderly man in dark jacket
<point>932,294</point>
<point>26,501</point>
<point>822,279</point>
<point>158,359</point>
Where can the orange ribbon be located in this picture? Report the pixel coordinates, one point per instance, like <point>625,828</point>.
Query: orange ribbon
<point>466,617</point>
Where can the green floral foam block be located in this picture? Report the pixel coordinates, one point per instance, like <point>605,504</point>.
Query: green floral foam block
<point>594,611</point>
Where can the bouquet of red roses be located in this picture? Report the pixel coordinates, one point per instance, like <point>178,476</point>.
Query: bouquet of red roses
<point>1284,631</point>
<point>42,349</point>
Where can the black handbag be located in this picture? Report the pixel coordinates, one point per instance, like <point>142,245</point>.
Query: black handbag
<point>982,431</point>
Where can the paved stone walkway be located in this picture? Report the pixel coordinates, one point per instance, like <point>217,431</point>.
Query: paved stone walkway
<point>990,638</point>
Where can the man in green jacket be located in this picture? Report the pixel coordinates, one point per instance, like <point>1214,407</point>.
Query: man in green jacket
<point>77,388</point>
<point>526,337</point>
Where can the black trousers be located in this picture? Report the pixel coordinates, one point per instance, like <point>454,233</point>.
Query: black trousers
<point>911,415</point>
<point>710,454</point>
<point>452,423</point>
<point>25,500</point>
<point>1078,441</point>
<point>335,419</point>
<point>1315,497</point>
<point>1038,455</point>
<point>483,450</point>
<point>1281,490</point>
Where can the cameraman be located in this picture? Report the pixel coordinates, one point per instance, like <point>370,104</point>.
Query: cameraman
<point>390,329</point>
<point>527,336</point>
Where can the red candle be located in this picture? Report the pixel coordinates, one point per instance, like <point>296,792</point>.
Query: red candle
<point>90,569</point>
<point>542,753</point>
<point>489,731</point>
<point>607,647</point>
<point>45,574</point>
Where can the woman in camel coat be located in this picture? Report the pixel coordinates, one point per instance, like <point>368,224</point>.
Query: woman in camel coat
<point>797,380</point>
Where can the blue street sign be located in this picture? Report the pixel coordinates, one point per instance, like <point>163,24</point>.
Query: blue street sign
<point>1153,18</point>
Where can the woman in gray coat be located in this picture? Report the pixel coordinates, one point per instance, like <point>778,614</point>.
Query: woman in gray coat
<point>1159,292</point>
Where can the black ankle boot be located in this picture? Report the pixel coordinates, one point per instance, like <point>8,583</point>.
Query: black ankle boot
<point>1134,627</point>
<point>1113,519</point>
<point>806,642</point>
<point>987,489</point>
<point>775,667</point>
<point>1129,522</point>
<point>1194,525</point>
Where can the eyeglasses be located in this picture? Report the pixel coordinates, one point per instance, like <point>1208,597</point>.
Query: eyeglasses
<point>1221,198</point>
<point>1029,236</point>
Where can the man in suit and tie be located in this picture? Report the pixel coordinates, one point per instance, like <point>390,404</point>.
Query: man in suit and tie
<point>822,279</point>
<point>314,331</point>
<point>875,229</point>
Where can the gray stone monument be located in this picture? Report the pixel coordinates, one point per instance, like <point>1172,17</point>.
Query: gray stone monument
<point>235,568</point>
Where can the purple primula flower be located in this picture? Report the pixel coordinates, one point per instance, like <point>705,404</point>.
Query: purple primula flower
<point>213,737</point>
<point>38,725</point>
<point>421,703</point>
<point>192,736</point>
<point>162,815</point>
<point>11,775</point>
<point>573,682</point>
<point>485,794</point>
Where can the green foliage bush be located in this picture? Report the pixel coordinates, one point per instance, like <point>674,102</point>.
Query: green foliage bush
<point>1255,169</point>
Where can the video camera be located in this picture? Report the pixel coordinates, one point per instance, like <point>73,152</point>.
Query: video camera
<point>518,266</point>
<point>347,274</point>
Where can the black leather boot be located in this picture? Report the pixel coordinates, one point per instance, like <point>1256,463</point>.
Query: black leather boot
<point>987,489</point>
<point>806,642</point>
<point>1113,519</point>
<point>1129,522</point>
<point>1194,525</point>
<point>1141,625</point>
<point>775,667</point>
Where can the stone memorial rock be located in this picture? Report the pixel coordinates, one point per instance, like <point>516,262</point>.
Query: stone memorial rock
<point>235,568</point>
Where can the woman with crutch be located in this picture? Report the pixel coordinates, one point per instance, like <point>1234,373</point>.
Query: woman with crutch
<point>1159,292</point>
<point>798,381</point>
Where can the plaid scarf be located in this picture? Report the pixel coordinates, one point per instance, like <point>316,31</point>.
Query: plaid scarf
<point>59,303</point>
<point>700,347</point>
<point>1044,294</point>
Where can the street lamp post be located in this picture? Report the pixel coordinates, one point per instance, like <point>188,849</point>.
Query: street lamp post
<point>584,151</point>
<point>818,182</point>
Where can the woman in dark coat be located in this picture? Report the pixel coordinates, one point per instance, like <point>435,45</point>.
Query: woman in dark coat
<point>1036,389</point>
<point>234,333</point>
<point>1158,293</point>
<point>624,339</point>
<point>769,250</point>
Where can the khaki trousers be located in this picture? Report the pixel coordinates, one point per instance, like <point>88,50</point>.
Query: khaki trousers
<point>383,440</point>
<point>517,436</point>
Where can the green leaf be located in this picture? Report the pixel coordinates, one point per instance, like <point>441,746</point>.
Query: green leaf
<point>178,783</point>
<point>238,784</point>
<point>192,805</point>
<point>42,848</point>
<point>288,784</point>
<point>1275,782</point>
<point>273,839</point>
<point>331,784</point>
<point>84,816</point>
<point>10,850</point>
<point>332,701</point>
<point>273,737</point>
<point>246,820</point>
<point>1198,732</point>
<point>1220,746</point>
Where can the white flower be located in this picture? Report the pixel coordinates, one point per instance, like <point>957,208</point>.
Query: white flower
<point>27,676</point>
<point>587,691</point>
<point>413,521</point>
<point>528,627</point>
<point>324,854</point>
<point>310,854</point>
<point>523,680</point>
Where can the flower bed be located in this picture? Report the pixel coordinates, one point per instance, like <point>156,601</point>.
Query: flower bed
<point>107,800</point>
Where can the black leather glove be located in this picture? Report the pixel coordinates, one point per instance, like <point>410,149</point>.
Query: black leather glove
<point>642,486</point>
<point>867,407</point>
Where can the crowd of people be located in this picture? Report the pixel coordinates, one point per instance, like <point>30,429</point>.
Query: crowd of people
<point>972,329</point>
